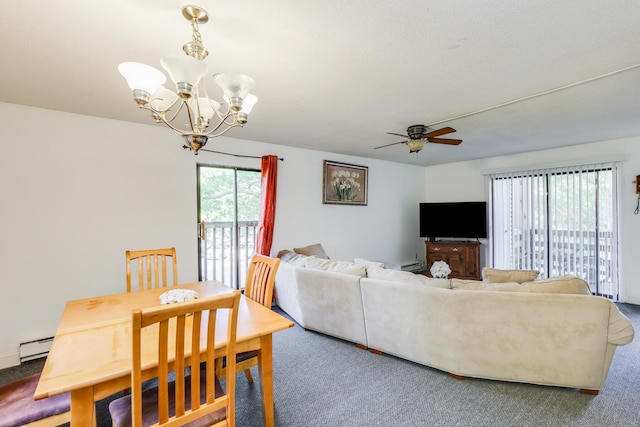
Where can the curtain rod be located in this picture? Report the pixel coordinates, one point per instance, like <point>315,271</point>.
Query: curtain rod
<point>231,154</point>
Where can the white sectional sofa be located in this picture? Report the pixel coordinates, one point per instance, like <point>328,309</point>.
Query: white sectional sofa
<point>548,332</point>
<point>324,301</point>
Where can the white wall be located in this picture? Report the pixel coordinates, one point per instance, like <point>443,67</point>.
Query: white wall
<point>470,184</point>
<point>77,191</point>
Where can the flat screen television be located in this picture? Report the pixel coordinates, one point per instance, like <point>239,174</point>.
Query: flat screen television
<point>461,220</point>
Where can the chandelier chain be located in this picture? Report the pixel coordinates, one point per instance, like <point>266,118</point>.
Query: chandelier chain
<point>196,31</point>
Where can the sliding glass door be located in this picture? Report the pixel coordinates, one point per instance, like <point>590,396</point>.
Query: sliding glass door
<point>228,209</point>
<point>558,221</point>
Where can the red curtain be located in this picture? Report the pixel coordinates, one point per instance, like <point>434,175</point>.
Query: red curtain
<point>267,205</point>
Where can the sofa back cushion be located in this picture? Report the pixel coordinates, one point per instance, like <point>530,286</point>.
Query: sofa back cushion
<point>344,267</point>
<point>406,277</point>
<point>494,275</point>
<point>554,285</point>
<point>564,285</point>
<point>299,260</point>
<point>367,263</point>
<point>477,285</point>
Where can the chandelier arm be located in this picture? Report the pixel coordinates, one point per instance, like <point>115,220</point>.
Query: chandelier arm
<point>172,127</point>
<point>230,115</point>
<point>165,121</point>
<point>190,118</point>
<point>181,132</point>
<point>157,111</point>
<point>160,115</point>
<point>224,115</point>
<point>175,114</point>
<point>210,135</point>
<point>223,121</point>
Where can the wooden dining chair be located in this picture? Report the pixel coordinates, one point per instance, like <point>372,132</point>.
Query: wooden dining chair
<point>195,396</point>
<point>261,277</point>
<point>151,266</point>
<point>18,408</point>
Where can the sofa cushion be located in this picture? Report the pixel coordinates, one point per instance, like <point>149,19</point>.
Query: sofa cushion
<point>367,263</point>
<point>345,267</point>
<point>555,285</point>
<point>299,260</point>
<point>561,285</point>
<point>406,277</point>
<point>477,285</point>
<point>494,275</point>
<point>312,250</point>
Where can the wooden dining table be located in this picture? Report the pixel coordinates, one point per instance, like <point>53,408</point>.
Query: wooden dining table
<point>90,356</point>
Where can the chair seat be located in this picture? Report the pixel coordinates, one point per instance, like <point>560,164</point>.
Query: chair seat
<point>120,409</point>
<point>241,357</point>
<point>18,408</point>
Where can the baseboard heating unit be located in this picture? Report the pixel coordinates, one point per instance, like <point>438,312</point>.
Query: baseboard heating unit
<point>35,349</point>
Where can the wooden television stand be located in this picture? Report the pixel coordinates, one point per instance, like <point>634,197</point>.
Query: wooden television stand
<point>463,258</point>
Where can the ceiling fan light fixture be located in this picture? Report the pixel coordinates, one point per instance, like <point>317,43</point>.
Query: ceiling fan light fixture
<point>415,145</point>
<point>204,117</point>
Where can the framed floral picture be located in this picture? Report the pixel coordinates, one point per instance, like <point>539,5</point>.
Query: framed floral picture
<point>344,184</point>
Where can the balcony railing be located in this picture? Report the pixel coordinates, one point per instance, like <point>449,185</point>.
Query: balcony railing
<point>225,256</point>
<point>585,254</point>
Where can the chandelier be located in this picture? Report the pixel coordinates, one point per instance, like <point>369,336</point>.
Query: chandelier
<point>201,117</point>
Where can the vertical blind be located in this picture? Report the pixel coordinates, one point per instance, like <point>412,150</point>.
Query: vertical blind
<point>558,221</point>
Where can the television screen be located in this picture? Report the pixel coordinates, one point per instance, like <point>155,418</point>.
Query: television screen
<point>453,220</point>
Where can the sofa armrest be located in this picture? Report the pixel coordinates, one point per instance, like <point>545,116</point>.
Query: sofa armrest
<point>287,291</point>
<point>620,330</point>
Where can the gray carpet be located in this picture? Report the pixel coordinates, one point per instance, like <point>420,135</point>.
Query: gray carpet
<point>322,381</point>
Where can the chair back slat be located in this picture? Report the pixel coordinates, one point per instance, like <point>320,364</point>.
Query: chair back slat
<point>152,266</point>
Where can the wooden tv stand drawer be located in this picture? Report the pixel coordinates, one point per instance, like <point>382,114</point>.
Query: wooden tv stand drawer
<point>463,258</point>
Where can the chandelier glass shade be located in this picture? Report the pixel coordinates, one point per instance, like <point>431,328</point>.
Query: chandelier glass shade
<point>197,116</point>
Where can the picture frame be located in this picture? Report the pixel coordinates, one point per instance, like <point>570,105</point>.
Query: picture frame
<point>345,184</point>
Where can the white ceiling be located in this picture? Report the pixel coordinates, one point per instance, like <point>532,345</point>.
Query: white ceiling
<point>337,75</point>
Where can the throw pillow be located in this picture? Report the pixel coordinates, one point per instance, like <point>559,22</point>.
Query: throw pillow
<point>406,277</point>
<point>312,250</point>
<point>562,285</point>
<point>477,285</point>
<point>493,275</point>
<point>345,267</point>
<point>285,255</point>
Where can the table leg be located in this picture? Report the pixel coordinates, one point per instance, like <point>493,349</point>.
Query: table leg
<point>82,407</point>
<point>265,367</point>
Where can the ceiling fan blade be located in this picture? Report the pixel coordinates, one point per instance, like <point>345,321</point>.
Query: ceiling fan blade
<point>389,145</point>
<point>445,141</point>
<point>439,132</point>
<point>397,134</point>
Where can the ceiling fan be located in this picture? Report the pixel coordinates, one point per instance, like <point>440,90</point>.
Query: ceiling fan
<point>419,134</point>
